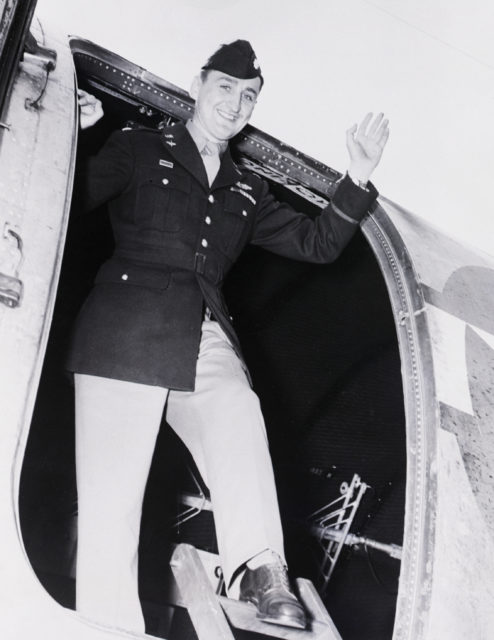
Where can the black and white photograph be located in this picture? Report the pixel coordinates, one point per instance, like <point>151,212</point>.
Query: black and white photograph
<point>247,320</point>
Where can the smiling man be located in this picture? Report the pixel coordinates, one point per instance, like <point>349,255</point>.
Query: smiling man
<point>155,336</point>
<point>226,103</point>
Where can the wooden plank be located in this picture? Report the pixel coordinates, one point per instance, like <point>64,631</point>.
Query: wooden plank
<point>322,623</point>
<point>198,595</point>
<point>243,615</point>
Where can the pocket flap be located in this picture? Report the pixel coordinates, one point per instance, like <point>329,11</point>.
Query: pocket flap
<point>166,178</point>
<point>238,204</point>
<point>130,274</point>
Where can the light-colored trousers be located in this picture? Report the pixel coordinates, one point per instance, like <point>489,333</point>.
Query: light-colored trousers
<point>116,428</point>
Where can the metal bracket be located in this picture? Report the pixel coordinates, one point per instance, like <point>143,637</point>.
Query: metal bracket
<point>49,56</point>
<point>11,286</point>
<point>10,290</point>
<point>49,59</point>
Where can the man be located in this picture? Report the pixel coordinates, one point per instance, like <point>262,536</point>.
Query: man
<point>155,335</point>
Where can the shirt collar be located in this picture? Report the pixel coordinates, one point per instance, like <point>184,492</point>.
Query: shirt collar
<point>203,143</point>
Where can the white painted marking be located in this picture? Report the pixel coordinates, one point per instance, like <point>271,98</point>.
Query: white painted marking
<point>450,366</point>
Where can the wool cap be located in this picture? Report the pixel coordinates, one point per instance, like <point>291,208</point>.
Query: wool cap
<point>237,59</point>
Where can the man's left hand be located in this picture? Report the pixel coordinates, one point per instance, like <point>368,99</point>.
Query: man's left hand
<point>365,144</point>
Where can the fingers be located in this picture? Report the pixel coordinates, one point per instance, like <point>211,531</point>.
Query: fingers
<point>376,129</point>
<point>377,122</point>
<point>87,100</point>
<point>351,132</point>
<point>383,134</point>
<point>91,109</point>
<point>363,125</point>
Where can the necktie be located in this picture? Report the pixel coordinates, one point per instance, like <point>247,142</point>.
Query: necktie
<point>211,148</point>
<point>211,153</point>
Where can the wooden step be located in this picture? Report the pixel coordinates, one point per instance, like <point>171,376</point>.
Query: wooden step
<point>215,617</point>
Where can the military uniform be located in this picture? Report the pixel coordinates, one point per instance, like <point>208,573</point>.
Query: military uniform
<point>176,239</point>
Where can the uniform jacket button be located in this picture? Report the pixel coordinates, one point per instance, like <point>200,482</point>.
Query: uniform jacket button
<point>211,198</point>
<point>207,220</point>
<point>165,181</point>
<point>204,242</point>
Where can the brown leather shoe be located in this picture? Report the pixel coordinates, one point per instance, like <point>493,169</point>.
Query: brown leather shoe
<point>268,588</point>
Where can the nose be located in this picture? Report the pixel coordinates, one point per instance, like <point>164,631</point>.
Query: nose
<point>235,101</point>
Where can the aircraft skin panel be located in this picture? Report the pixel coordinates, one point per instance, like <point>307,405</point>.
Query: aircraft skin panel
<point>435,255</point>
<point>458,288</point>
<point>456,284</point>
<point>36,166</point>
<point>463,593</point>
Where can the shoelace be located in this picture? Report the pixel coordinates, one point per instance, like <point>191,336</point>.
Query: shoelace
<point>278,577</point>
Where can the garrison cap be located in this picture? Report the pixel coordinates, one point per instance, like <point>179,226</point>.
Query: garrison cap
<point>237,59</point>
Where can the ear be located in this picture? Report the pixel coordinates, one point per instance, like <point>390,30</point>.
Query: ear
<point>194,87</point>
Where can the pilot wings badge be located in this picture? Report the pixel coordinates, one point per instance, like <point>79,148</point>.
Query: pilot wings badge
<point>244,193</point>
<point>245,187</point>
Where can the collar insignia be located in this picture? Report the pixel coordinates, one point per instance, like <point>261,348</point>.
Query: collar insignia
<point>168,135</point>
<point>172,144</point>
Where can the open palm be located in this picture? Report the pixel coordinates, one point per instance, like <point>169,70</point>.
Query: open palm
<point>365,144</point>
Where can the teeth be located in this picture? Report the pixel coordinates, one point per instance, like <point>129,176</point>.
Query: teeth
<point>227,116</point>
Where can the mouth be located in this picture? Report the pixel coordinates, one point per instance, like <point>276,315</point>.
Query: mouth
<point>231,117</point>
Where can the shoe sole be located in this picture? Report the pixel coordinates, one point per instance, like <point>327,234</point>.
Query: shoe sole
<point>281,621</point>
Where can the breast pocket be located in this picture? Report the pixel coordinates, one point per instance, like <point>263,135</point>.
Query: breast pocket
<point>163,198</point>
<point>235,222</point>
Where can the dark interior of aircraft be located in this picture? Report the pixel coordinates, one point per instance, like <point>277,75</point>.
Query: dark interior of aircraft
<point>321,345</point>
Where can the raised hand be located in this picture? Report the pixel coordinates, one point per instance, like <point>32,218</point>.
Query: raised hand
<point>90,109</point>
<point>365,144</point>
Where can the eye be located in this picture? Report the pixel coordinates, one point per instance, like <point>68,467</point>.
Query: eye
<point>225,87</point>
<point>248,97</point>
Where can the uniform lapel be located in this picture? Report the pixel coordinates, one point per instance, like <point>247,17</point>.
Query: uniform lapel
<point>178,142</point>
<point>228,173</point>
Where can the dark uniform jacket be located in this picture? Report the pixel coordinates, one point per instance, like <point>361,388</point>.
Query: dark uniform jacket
<point>175,240</point>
